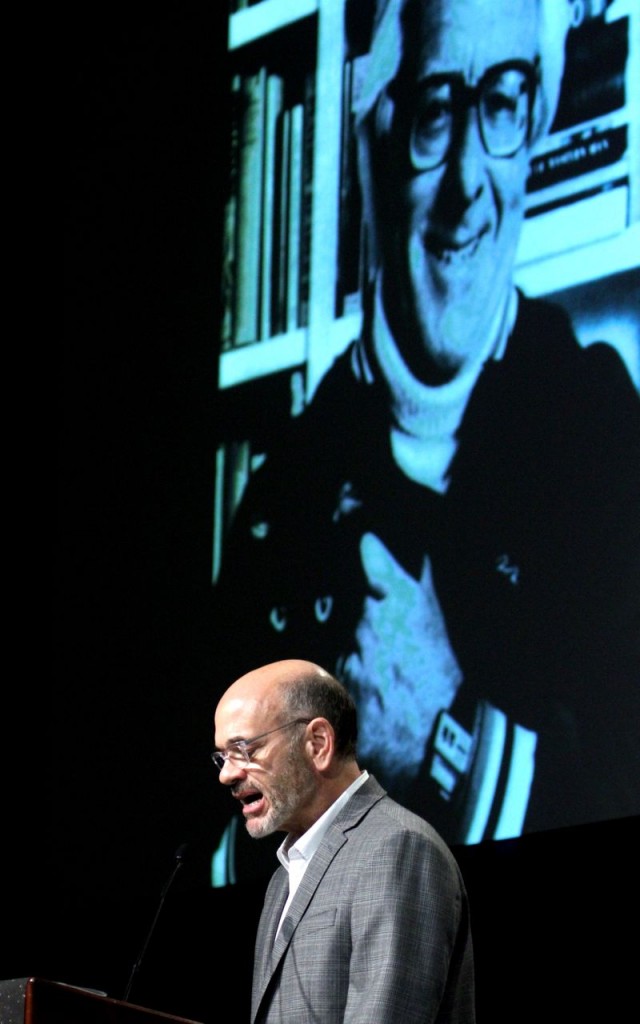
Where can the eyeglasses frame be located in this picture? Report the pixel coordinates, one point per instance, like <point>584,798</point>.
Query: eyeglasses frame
<point>399,91</point>
<point>244,747</point>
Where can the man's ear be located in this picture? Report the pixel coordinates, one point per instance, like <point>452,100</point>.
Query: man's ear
<point>321,740</point>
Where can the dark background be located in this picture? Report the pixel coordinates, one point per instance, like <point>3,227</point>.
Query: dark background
<point>115,761</point>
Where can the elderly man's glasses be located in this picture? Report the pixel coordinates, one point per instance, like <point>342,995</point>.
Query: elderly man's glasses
<point>435,113</point>
<point>239,753</point>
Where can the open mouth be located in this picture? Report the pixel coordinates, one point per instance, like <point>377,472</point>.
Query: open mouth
<point>251,799</point>
<point>248,797</point>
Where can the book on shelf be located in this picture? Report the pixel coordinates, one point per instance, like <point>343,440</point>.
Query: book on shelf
<point>589,135</point>
<point>250,202</point>
<point>294,221</point>
<point>350,197</point>
<point>594,151</point>
<point>280,217</point>
<point>230,219</point>
<point>274,102</point>
<point>233,469</point>
<point>237,473</point>
<point>308,131</point>
<point>594,83</point>
<point>580,220</point>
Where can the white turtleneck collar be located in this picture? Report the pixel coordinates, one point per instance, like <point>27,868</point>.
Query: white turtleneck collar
<point>425,419</point>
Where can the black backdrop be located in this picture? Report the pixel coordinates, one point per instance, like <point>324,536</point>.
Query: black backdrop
<point>121,765</point>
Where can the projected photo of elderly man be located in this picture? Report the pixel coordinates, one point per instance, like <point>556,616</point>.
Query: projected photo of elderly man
<point>452,523</point>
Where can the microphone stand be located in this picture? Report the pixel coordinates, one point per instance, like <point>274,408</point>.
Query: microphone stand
<point>178,861</point>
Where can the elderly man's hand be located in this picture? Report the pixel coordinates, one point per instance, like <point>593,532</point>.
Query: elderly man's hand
<point>403,671</point>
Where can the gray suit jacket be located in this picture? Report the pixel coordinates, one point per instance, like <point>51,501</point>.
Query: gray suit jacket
<point>378,931</point>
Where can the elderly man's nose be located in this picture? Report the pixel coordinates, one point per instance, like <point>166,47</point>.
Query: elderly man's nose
<point>467,158</point>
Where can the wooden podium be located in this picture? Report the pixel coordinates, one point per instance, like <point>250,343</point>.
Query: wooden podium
<point>54,1002</point>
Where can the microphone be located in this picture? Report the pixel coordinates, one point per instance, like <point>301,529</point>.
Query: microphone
<point>178,859</point>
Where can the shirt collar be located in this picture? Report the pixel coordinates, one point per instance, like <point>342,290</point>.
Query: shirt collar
<point>307,844</point>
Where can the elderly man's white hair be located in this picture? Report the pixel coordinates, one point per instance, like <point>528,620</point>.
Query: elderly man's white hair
<point>385,57</point>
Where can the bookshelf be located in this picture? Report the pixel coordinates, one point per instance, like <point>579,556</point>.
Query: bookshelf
<point>583,205</point>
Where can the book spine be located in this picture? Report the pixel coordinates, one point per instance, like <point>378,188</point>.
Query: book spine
<point>582,155</point>
<point>237,472</point>
<point>294,216</point>
<point>583,218</point>
<point>281,215</point>
<point>218,513</point>
<point>350,261</point>
<point>307,197</point>
<point>594,81</point>
<point>275,89</point>
<point>229,252</point>
<point>250,196</point>
<point>345,186</point>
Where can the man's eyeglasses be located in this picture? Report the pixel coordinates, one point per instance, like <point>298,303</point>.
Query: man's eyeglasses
<point>434,114</point>
<point>239,753</point>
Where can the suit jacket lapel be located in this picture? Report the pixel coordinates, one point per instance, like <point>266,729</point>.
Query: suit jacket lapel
<point>270,953</point>
<point>275,899</point>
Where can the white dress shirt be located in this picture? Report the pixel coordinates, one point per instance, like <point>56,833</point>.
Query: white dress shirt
<point>296,857</point>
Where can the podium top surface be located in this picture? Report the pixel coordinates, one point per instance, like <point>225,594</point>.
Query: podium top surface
<point>55,1002</point>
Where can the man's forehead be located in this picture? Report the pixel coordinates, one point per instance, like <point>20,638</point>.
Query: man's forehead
<point>254,703</point>
<point>470,35</point>
<point>238,717</point>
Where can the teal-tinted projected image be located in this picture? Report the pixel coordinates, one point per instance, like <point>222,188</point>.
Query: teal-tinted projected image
<point>428,468</point>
